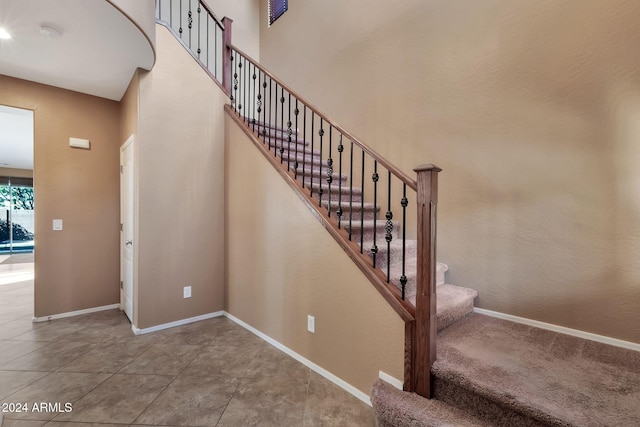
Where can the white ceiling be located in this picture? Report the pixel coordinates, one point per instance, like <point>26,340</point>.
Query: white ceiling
<point>97,54</point>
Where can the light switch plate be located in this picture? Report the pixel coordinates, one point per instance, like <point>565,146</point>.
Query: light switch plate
<point>57,225</point>
<point>186,292</point>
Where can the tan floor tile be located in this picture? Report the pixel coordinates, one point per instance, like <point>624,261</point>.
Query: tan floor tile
<point>22,423</point>
<point>232,362</point>
<point>56,388</point>
<point>11,350</point>
<point>49,357</point>
<point>191,401</point>
<point>270,361</point>
<point>163,359</point>
<point>267,401</point>
<point>120,399</point>
<point>237,337</point>
<point>329,405</point>
<point>107,358</point>
<point>12,381</point>
<point>69,424</point>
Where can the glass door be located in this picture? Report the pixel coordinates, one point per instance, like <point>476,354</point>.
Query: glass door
<point>16,215</point>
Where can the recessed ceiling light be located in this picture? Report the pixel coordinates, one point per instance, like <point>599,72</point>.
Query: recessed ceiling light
<point>4,34</point>
<point>51,30</point>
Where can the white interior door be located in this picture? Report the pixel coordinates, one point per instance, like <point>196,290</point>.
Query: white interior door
<point>127,226</point>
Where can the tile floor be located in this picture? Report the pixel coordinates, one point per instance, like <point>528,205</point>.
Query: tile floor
<point>210,373</point>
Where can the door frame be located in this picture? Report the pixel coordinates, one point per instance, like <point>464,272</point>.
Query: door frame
<point>130,142</point>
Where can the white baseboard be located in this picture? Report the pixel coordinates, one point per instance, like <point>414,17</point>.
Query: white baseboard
<point>319,370</point>
<point>561,329</point>
<point>176,323</point>
<point>391,380</point>
<point>75,313</point>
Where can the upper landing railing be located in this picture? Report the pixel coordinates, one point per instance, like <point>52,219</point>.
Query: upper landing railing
<point>343,179</point>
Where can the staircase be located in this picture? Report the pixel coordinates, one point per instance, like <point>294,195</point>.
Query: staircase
<point>488,372</point>
<point>454,302</point>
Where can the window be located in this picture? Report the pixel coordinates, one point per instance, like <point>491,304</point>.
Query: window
<point>276,9</point>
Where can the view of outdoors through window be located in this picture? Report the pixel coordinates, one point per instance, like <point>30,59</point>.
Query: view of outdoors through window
<point>16,218</point>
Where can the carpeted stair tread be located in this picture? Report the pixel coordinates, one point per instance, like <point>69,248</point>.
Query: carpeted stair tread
<point>369,208</point>
<point>337,193</point>
<point>453,303</point>
<point>396,408</point>
<point>513,374</point>
<point>318,175</point>
<point>262,124</point>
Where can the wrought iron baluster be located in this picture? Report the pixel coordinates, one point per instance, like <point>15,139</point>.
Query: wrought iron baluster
<point>362,208</point>
<point>270,112</point>
<point>199,10</point>
<point>207,61</point>
<point>304,150</point>
<point>388,228</point>
<point>374,178</point>
<point>180,28</point>
<point>238,84</point>
<point>329,168</point>
<point>235,82</point>
<point>339,211</point>
<point>404,202</point>
<point>313,120</point>
<point>264,111</point>
<point>350,191</point>
<point>289,132</point>
<point>296,112</point>
<point>282,99</point>
<point>189,22</point>
<point>253,110</point>
<point>259,101</point>
<point>320,192</point>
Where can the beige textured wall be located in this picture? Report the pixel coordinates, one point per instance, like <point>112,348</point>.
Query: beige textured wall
<point>76,268</point>
<point>129,125</point>
<point>533,111</point>
<point>282,265</point>
<point>246,25</point>
<point>181,187</point>
<point>18,173</point>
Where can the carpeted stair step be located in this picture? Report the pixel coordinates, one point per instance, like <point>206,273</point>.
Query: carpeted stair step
<point>410,271</point>
<point>306,158</point>
<point>380,226</point>
<point>299,144</point>
<point>261,124</point>
<point>345,196</point>
<point>355,209</point>
<point>317,175</point>
<point>411,250</point>
<point>453,304</point>
<point>396,408</point>
<point>275,135</point>
<point>512,374</point>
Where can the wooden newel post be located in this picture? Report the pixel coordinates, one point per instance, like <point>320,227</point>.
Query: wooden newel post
<point>226,56</point>
<point>425,330</point>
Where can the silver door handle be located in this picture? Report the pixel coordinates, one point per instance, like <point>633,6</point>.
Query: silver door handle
<point>128,243</point>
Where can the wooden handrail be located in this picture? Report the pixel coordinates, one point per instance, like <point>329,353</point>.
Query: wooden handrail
<point>381,160</point>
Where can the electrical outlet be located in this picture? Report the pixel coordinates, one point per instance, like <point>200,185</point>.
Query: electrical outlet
<point>186,292</point>
<point>311,324</point>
